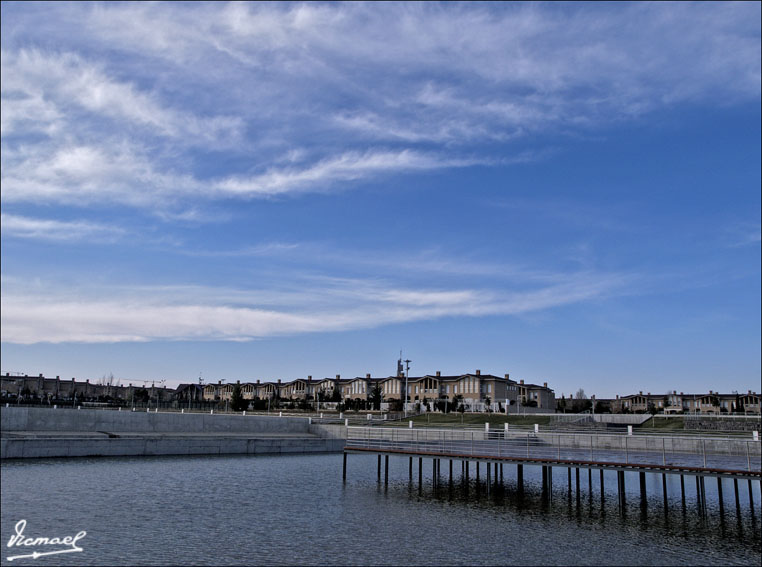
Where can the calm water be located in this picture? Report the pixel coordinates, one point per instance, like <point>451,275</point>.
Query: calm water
<point>239,510</point>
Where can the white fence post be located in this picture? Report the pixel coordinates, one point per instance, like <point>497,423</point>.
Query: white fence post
<point>410,424</point>
<point>629,430</point>
<point>536,427</point>
<point>755,435</point>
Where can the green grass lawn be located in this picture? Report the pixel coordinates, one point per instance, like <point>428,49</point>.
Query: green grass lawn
<point>663,424</point>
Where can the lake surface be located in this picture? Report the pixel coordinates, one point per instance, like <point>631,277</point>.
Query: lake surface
<point>272,510</point>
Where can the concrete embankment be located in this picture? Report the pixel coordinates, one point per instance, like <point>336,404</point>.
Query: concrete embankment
<point>41,432</point>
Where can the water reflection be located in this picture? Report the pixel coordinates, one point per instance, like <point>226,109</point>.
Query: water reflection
<point>285,510</point>
<point>659,505</point>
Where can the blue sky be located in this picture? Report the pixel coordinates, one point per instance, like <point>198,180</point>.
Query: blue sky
<point>567,193</point>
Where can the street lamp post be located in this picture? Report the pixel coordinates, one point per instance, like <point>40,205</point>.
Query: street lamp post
<point>407,374</point>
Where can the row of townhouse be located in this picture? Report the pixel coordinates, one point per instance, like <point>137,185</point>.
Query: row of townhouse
<point>474,390</point>
<point>41,388</point>
<point>674,402</point>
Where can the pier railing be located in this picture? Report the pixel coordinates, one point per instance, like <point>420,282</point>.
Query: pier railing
<point>717,453</point>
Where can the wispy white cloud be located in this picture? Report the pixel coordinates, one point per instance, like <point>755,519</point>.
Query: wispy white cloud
<point>71,84</point>
<point>326,84</point>
<point>323,175</point>
<point>50,229</point>
<point>744,234</point>
<point>85,174</point>
<point>81,175</point>
<point>116,314</point>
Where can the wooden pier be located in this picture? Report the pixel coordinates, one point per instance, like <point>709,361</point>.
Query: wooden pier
<point>735,459</point>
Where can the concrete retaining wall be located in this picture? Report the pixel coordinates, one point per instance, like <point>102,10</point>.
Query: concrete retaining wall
<point>47,432</point>
<point>723,423</point>
<point>329,431</point>
<point>624,419</point>
<point>147,446</point>
<point>90,420</point>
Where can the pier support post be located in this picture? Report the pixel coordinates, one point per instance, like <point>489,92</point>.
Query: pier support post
<point>379,468</point>
<point>590,482</point>
<point>568,470</point>
<point>577,475</point>
<point>601,473</point>
<point>698,495</point>
<point>450,471</point>
<point>738,500</point>
<point>344,472</point>
<point>477,473</point>
<point>434,472</point>
<point>719,495</point>
<point>703,494</point>
<point>682,489</point>
<point>420,469</point>
<point>520,477</point>
<point>751,497</point>
<point>410,467</point>
<point>622,491</point>
<point>643,498</point>
<point>664,488</point>
<point>386,470</point>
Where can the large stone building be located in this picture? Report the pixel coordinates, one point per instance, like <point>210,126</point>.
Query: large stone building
<point>475,391</point>
<point>674,402</point>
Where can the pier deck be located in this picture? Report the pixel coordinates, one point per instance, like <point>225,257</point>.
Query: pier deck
<point>731,457</point>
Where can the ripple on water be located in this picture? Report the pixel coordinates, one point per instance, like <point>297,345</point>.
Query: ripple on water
<point>284,510</point>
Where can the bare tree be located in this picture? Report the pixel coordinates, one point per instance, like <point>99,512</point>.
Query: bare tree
<point>108,380</point>
<point>581,403</point>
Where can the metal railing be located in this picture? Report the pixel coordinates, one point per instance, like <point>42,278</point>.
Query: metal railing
<point>717,454</point>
